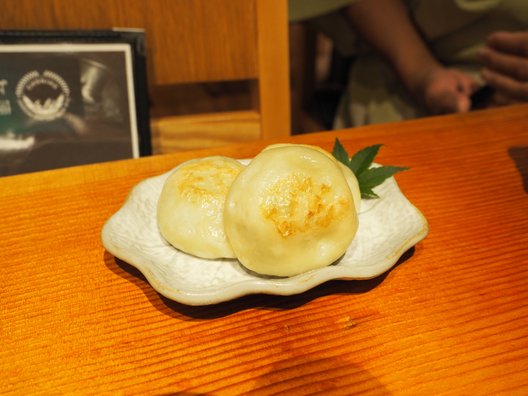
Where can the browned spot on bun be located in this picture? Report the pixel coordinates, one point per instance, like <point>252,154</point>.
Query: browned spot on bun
<point>196,184</point>
<point>298,204</point>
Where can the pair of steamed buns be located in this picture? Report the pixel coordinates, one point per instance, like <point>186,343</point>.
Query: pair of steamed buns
<point>291,210</point>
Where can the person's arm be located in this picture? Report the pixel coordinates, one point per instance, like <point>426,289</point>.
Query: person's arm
<point>505,60</point>
<point>386,25</point>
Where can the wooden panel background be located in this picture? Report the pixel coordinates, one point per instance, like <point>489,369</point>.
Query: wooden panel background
<point>183,35</point>
<point>191,41</point>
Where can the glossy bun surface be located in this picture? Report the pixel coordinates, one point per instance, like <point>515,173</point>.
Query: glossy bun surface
<point>289,211</point>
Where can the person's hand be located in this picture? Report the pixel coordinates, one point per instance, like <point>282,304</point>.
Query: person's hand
<point>445,90</point>
<point>505,61</point>
<point>439,89</point>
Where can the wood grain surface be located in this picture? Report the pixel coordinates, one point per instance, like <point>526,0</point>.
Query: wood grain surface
<point>177,133</point>
<point>450,318</point>
<point>183,37</point>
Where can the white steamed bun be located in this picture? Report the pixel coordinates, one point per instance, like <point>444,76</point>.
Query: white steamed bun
<point>289,211</point>
<point>191,206</point>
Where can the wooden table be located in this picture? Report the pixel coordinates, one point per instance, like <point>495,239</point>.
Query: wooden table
<point>450,318</point>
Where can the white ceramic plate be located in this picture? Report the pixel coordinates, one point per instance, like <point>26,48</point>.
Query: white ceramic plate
<point>388,227</point>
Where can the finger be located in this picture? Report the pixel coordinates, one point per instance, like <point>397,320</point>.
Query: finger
<point>466,84</point>
<point>446,90</point>
<point>515,43</point>
<point>448,101</point>
<point>506,85</point>
<point>459,103</point>
<point>464,104</point>
<point>511,65</point>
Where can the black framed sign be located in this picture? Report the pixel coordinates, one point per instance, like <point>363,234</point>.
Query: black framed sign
<point>71,98</point>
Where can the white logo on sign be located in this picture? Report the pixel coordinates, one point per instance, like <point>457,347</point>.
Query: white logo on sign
<point>43,96</point>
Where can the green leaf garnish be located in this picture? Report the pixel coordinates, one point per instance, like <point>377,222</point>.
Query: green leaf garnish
<point>361,164</point>
<point>340,153</point>
<point>362,160</point>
